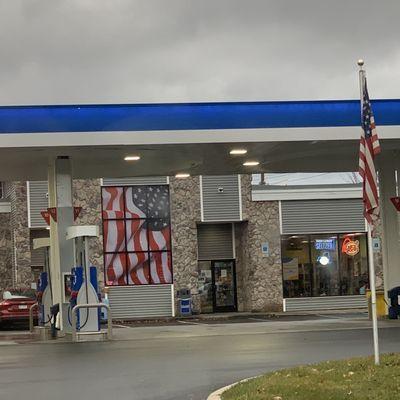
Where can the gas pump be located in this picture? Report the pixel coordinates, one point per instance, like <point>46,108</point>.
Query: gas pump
<point>44,290</point>
<point>81,286</point>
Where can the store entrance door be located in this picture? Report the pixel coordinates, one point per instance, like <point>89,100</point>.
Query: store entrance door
<point>224,285</point>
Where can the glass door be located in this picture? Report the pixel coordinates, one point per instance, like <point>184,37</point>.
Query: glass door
<point>224,284</point>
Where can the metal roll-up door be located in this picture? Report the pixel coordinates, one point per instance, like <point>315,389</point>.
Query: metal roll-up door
<point>322,216</point>
<point>215,241</point>
<point>146,180</point>
<point>142,301</point>
<point>325,303</point>
<point>220,198</point>
<point>38,201</point>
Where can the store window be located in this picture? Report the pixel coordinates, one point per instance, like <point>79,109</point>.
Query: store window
<point>324,258</point>
<point>296,267</point>
<point>324,265</point>
<point>137,235</point>
<point>205,286</point>
<point>353,263</point>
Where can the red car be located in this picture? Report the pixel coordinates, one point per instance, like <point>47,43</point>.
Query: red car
<point>15,304</point>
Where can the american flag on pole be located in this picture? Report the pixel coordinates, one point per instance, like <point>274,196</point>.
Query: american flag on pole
<point>141,242</point>
<point>369,148</point>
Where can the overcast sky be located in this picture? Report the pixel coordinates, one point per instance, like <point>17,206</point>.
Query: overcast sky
<point>127,51</point>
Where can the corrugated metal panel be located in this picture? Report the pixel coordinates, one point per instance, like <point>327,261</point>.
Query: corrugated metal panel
<point>146,180</point>
<point>215,241</point>
<point>220,198</point>
<point>128,302</point>
<point>7,187</point>
<point>38,201</point>
<point>325,303</point>
<point>37,258</point>
<point>37,255</point>
<point>319,216</point>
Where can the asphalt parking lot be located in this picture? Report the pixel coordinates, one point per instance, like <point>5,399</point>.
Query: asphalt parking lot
<point>186,360</point>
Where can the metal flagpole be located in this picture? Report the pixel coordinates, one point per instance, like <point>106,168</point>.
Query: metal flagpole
<point>370,250</point>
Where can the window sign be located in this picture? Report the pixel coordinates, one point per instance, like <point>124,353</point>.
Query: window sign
<point>290,268</point>
<point>325,244</point>
<point>350,247</point>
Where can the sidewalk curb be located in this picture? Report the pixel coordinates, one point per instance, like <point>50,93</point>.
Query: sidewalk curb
<point>217,394</point>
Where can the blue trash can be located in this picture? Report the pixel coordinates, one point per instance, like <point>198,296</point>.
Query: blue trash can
<point>185,302</point>
<point>394,297</point>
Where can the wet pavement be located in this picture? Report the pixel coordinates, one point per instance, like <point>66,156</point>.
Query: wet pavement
<point>185,361</point>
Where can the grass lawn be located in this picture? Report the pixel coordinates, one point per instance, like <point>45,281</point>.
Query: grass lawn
<point>356,378</point>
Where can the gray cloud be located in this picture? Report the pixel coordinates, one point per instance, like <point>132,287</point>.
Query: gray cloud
<point>98,51</point>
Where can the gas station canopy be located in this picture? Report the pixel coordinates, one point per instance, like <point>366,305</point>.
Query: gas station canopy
<point>195,138</point>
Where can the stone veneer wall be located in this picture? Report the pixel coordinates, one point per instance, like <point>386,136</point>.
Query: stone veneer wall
<point>261,275</point>
<point>87,194</point>
<point>185,212</point>
<point>21,257</point>
<point>240,263</point>
<point>378,259</point>
<point>6,270</point>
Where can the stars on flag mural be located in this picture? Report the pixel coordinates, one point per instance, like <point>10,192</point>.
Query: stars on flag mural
<point>137,235</point>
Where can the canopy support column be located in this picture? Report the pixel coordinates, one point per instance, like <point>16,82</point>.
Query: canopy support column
<point>62,253</point>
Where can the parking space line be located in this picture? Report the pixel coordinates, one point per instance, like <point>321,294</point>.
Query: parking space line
<point>190,322</point>
<point>257,319</point>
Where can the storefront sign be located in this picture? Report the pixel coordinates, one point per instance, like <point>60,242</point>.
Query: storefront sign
<point>325,244</point>
<point>265,249</point>
<point>290,269</point>
<point>350,247</point>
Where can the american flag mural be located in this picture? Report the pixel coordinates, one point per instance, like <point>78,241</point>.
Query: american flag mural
<point>369,148</point>
<point>160,267</point>
<point>138,268</point>
<point>115,268</point>
<point>113,202</point>
<point>114,235</point>
<point>142,238</point>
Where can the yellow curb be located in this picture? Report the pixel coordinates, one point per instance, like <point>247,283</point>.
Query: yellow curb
<point>217,394</point>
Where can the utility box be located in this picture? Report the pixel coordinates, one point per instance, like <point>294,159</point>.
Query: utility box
<point>380,304</point>
<point>184,302</point>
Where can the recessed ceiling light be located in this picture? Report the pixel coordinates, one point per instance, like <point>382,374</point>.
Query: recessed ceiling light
<point>132,158</point>
<point>250,163</point>
<point>182,175</point>
<point>238,151</point>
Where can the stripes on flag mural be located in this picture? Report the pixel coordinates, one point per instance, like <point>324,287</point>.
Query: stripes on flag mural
<point>113,203</point>
<point>369,148</point>
<point>136,234</point>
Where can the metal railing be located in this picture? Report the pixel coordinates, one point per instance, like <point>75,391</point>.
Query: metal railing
<point>91,305</point>
<point>31,308</point>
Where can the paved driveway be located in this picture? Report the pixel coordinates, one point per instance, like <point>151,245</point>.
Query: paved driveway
<point>185,361</point>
